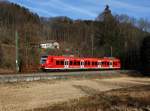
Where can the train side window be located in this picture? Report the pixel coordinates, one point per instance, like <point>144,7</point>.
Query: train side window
<point>107,63</point>
<point>78,63</point>
<point>103,63</point>
<point>62,62</point>
<point>57,63</point>
<point>88,62</point>
<point>75,62</point>
<point>71,62</point>
<point>85,63</point>
<point>93,63</point>
<point>96,63</point>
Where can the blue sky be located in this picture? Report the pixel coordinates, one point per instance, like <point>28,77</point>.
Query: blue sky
<point>86,9</point>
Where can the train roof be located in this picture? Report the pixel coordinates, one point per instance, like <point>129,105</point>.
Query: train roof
<point>68,57</point>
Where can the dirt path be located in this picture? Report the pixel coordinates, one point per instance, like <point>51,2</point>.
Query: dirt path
<point>23,96</point>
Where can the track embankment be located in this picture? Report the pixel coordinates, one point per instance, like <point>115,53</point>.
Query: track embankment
<point>61,75</point>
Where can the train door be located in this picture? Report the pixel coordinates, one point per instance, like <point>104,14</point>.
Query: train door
<point>82,64</point>
<point>99,64</point>
<point>111,64</point>
<point>66,64</point>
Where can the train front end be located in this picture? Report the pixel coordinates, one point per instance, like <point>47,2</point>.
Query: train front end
<point>44,63</point>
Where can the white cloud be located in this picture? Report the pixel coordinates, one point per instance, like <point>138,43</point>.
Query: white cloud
<point>45,12</point>
<point>76,9</point>
<point>58,4</point>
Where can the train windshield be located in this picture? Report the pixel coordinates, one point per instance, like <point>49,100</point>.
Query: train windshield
<point>43,59</point>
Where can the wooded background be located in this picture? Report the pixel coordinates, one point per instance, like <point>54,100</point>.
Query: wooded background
<point>108,35</point>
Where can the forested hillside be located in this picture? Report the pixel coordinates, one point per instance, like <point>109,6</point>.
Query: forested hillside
<point>16,18</point>
<point>109,35</point>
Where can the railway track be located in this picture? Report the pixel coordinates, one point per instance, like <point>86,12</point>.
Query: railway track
<point>59,75</point>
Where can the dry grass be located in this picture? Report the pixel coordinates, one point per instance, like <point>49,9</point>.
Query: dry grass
<point>83,93</point>
<point>115,100</point>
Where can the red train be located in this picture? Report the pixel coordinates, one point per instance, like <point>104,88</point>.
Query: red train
<point>70,63</point>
